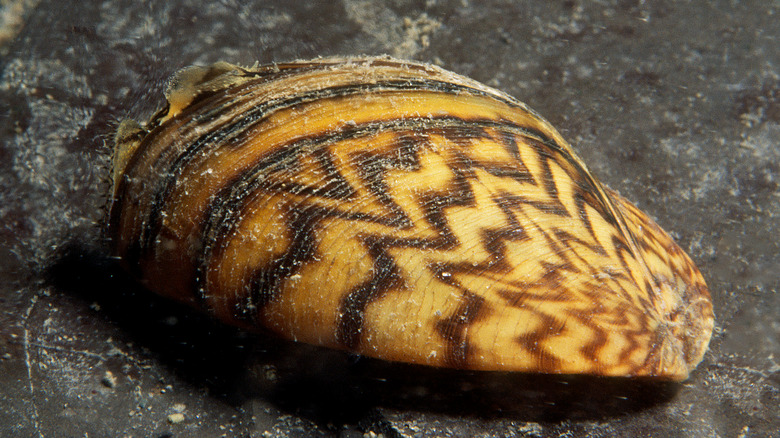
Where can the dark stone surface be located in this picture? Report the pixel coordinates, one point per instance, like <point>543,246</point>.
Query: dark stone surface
<point>674,104</point>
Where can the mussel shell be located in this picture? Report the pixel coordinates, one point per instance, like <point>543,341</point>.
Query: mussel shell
<point>400,211</point>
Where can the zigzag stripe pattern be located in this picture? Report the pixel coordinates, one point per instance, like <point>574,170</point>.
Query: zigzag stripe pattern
<point>402,212</point>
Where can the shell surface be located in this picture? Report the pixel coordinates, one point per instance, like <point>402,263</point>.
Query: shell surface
<point>399,211</point>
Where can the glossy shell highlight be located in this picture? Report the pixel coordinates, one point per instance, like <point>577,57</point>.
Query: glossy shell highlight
<point>400,211</point>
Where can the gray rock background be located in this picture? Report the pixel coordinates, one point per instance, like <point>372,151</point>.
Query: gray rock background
<point>675,104</point>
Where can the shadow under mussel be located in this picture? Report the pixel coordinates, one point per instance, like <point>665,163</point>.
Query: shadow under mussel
<point>331,387</point>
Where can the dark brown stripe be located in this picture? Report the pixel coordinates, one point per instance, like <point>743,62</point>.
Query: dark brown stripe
<point>518,171</point>
<point>266,282</point>
<point>454,330</point>
<point>372,168</point>
<point>591,349</point>
<point>569,240</point>
<point>386,276</point>
<point>493,241</point>
<point>521,298</point>
<point>531,342</point>
<point>457,194</point>
<point>584,196</point>
<point>624,252</point>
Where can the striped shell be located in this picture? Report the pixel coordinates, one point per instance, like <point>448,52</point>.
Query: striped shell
<point>399,211</point>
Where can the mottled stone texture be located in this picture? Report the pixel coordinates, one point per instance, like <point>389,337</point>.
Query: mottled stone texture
<point>674,104</point>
